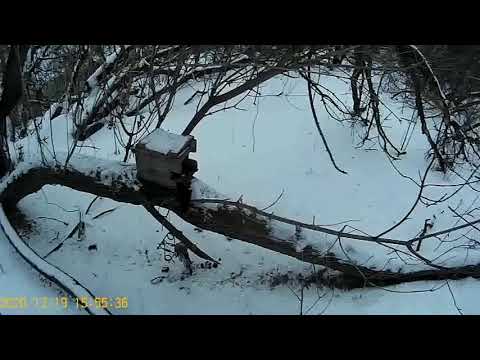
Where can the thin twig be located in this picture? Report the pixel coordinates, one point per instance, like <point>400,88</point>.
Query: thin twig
<point>178,234</point>
<point>314,113</point>
<point>104,212</point>
<point>49,218</point>
<point>454,300</point>
<point>278,198</point>
<point>89,206</point>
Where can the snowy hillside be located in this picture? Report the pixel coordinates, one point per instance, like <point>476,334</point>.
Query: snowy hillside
<point>269,149</point>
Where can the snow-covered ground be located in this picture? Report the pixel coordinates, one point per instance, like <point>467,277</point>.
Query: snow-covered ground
<point>258,153</point>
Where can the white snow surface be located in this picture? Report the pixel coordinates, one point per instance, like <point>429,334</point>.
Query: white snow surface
<point>165,142</point>
<point>254,154</point>
<point>45,267</point>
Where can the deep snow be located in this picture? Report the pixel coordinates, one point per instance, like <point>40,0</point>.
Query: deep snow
<point>257,154</point>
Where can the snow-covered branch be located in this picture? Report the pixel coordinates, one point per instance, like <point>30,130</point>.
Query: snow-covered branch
<point>337,250</point>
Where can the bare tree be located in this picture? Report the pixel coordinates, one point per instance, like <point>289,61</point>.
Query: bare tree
<point>132,81</point>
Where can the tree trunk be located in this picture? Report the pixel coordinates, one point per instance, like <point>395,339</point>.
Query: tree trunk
<point>232,219</point>
<point>12,92</point>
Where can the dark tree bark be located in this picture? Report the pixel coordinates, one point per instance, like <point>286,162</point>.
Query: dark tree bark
<point>421,79</point>
<point>12,92</point>
<point>219,99</point>
<point>357,71</point>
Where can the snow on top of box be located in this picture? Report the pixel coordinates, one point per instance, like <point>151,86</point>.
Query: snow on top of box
<point>165,142</point>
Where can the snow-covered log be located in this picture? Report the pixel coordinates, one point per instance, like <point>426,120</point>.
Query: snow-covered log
<point>212,211</point>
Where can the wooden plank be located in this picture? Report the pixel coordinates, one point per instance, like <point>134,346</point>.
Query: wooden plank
<point>157,167</point>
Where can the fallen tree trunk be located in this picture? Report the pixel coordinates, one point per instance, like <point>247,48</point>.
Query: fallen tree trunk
<point>117,181</point>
